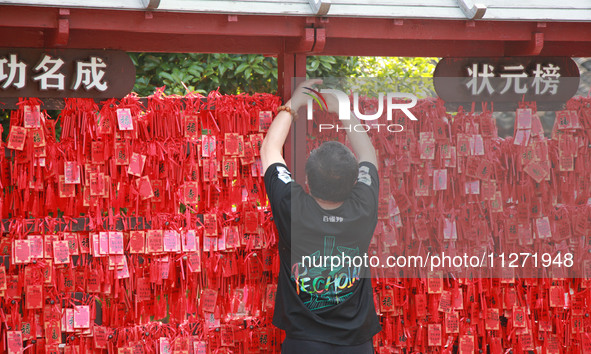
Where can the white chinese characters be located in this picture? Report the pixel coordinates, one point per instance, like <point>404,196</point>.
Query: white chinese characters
<point>90,74</point>
<point>16,70</point>
<point>514,78</point>
<point>50,73</point>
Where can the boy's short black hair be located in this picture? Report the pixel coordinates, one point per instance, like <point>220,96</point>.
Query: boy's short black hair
<point>332,170</point>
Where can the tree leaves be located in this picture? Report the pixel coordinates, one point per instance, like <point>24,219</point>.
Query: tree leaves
<point>251,73</point>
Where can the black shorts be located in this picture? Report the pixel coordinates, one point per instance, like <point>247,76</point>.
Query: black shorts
<point>297,346</point>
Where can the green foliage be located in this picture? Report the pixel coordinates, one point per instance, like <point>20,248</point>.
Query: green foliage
<point>398,74</point>
<point>231,73</point>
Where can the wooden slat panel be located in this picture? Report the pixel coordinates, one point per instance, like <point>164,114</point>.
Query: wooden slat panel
<point>537,4</point>
<point>396,3</point>
<point>111,4</point>
<point>538,14</point>
<point>397,11</point>
<point>245,7</point>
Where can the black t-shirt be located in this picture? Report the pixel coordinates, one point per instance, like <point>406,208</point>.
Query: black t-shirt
<point>318,299</point>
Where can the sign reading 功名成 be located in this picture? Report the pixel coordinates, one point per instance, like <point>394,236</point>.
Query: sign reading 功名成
<point>506,81</point>
<point>58,73</point>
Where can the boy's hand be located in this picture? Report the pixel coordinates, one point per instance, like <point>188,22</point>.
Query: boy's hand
<point>300,95</point>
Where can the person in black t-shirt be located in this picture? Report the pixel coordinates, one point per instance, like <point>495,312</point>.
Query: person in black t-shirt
<point>323,306</point>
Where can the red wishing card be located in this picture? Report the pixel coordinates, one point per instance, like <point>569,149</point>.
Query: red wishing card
<point>556,296</point>
<point>208,145</point>
<point>61,252</point>
<point>231,236</point>
<point>251,222</point>
<point>104,125</point>
<point>136,164</point>
<point>387,301</point>
<point>14,341</point>
<point>463,145</point>
<point>191,192</point>
<point>553,345</point>
<point>208,300</point>
<point>191,127</point>
<point>71,172</point>
<point>84,243</point>
<point>229,167</point>
<point>445,302</point>
<point>257,142</point>
<point>164,345</point>
<point>96,184</point>
<point>440,180</point>
<point>434,283</point>
<point>65,190</point>
<point>199,347</point>
<point>434,335</point>
<point>32,116</point>
<point>492,322</point>
<point>81,316</point>
<point>227,336</point>
<point>16,138</point>
<point>2,278</point>
<point>189,241</point>
<point>121,153</point>
<point>144,187</point>
<point>519,316</point>
<point>524,118</point>
<point>154,242</point>
<point>48,245</point>
<point>34,297</point>
<point>157,190</point>
<point>452,322</point>
<point>100,337</point>
<point>36,243</point>
<point>171,241</point>
<point>231,144</point>
<point>427,149</point>
<point>137,242</point>
<point>543,228</point>
<point>103,243</point>
<point>115,242</point>
<point>563,120</point>
<point>265,119</point>
<point>124,119</point>
<point>211,225</point>
<point>536,170</point>
<point>248,154</point>
<point>72,243</point>
<point>98,151</point>
<point>38,138</point>
<point>22,251</point>
<point>144,292</point>
<point>194,262</point>
<point>256,169</point>
<point>466,344</point>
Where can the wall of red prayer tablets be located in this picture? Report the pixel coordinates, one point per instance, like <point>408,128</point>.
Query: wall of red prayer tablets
<point>199,275</point>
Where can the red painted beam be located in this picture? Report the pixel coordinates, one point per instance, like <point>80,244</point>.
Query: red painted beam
<point>192,32</point>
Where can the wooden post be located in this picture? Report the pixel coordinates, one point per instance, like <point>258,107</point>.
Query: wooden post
<point>292,66</point>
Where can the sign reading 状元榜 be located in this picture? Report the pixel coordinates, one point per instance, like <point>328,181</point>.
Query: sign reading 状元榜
<point>59,73</point>
<point>506,81</point>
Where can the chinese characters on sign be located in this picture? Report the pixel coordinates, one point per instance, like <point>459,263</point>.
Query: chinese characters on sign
<point>545,79</point>
<point>65,73</point>
<point>47,73</point>
<point>506,81</point>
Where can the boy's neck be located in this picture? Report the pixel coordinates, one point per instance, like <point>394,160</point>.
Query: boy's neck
<point>327,205</point>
